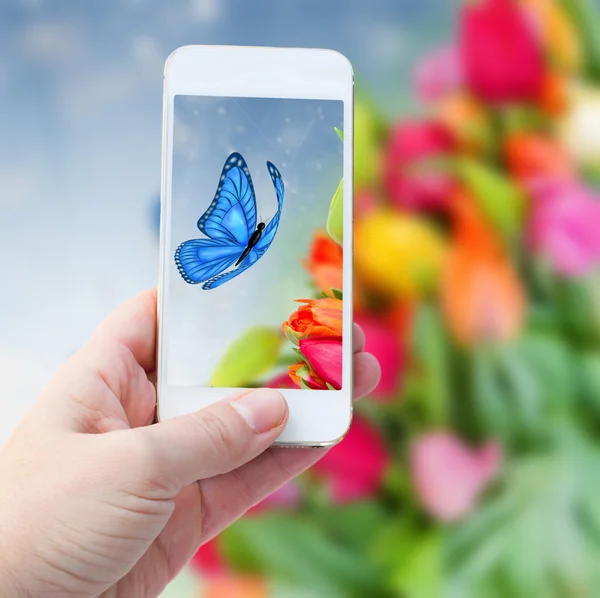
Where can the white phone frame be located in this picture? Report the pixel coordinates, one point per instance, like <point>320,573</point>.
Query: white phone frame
<point>317,418</point>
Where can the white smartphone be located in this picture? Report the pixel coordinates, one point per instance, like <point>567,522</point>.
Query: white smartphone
<point>256,143</point>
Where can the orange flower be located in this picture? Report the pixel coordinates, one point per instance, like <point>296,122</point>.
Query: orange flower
<point>303,375</point>
<point>554,94</point>
<point>301,372</point>
<point>482,296</point>
<point>533,155</point>
<point>325,262</point>
<point>235,587</point>
<point>316,317</point>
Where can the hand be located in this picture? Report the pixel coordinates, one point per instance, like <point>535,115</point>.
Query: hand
<point>95,500</point>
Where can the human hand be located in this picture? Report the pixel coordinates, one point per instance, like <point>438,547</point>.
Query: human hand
<point>94,500</point>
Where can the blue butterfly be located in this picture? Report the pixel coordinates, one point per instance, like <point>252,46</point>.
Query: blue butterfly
<point>235,239</point>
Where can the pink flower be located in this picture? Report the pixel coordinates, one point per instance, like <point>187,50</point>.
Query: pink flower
<point>324,355</point>
<point>286,497</point>
<point>438,74</point>
<point>449,476</point>
<point>501,51</point>
<point>564,225</point>
<point>355,467</point>
<point>411,178</point>
<point>389,349</point>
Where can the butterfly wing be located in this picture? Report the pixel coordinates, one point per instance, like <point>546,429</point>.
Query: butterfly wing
<point>199,260</point>
<point>220,279</point>
<point>269,233</point>
<point>232,214</point>
<point>265,240</point>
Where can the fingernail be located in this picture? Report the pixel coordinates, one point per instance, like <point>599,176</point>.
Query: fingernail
<point>263,409</point>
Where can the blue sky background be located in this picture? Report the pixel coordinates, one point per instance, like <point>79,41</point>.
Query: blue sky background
<point>298,136</point>
<point>80,143</point>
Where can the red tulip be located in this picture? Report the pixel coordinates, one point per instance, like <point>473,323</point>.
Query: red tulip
<point>388,347</point>
<point>501,51</point>
<point>410,180</point>
<point>564,225</point>
<point>355,467</point>
<point>324,355</point>
<point>449,476</point>
<point>208,560</point>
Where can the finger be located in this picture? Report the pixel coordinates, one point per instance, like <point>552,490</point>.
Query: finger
<point>358,340</point>
<point>228,497</point>
<point>133,325</point>
<point>120,380</point>
<point>215,440</point>
<point>367,373</point>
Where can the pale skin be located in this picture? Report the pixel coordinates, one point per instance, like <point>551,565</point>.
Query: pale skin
<point>96,501</point>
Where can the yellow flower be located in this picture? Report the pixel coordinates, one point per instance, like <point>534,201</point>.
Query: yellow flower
<point>398,254</point>
<point>580,127</point>
<point>558,32</point>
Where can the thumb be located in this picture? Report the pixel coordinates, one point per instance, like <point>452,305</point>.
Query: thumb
<point>212,441</point>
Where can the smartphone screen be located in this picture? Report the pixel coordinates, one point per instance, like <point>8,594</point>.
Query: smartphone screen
<point>252,183</point>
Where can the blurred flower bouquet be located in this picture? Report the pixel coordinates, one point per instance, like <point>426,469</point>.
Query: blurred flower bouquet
<point>474,470</point>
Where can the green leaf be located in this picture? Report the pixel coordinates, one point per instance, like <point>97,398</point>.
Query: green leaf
<point>302,357</point>
<point>518,388</point>
<point>589,380</point>
<point>542,507</point>
<point>335,219</point>
<point>251,356</point>
<point>367,518</point>
<point>500,200</point>
<point>550,361</point>
<point>304,385</point>
<point>490,401</point>
<point>340,133</point>
<point>337,293</point>
<point>431,355</point>
<point>367,145</point>
<point>522,386</point>
<point>575,302</point>
<point>295,552</point>
<point>329,386</point>
<point>421,575</point>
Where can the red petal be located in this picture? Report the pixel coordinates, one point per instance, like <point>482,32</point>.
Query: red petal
<point>325,357</point>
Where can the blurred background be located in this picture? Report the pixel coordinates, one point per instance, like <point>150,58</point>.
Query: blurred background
<point>474,469</point>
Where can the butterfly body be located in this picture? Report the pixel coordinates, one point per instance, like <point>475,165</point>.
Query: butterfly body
<point>229,223</point>
<point>254,239</point>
